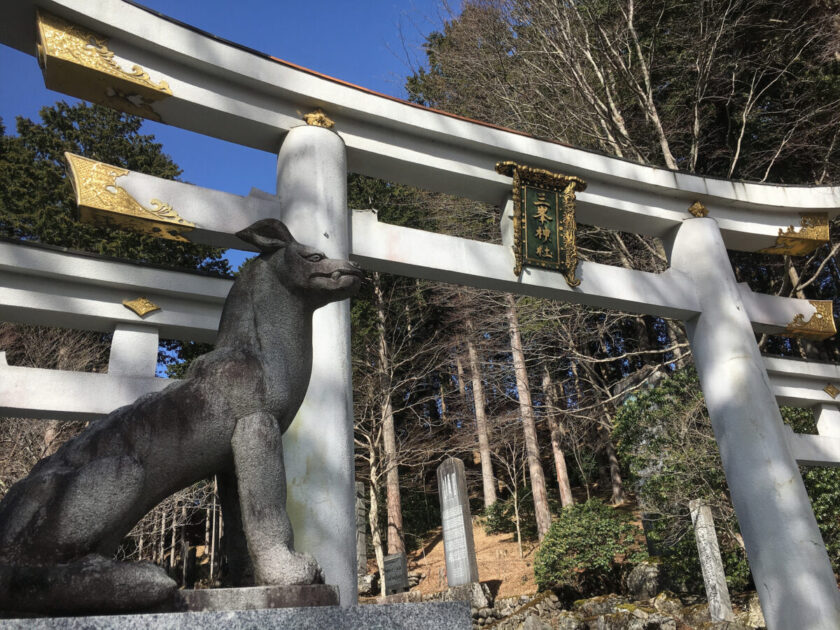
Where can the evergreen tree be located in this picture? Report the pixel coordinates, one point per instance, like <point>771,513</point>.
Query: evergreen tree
<point>36,197</point>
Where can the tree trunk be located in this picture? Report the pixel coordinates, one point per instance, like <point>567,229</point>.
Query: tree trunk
<point>542,513</point>
<point>184,546</point>
<point>153,541</point>
<point>213,530</point>
<point>616,482</point>
<point>459,366</point>
<point>396,544</point>
<point>373,519</point>
<point>516,520</point>
<point>566,499</point>
<point>162,542</point>
<point>487,477</point>
<point>173,540</point>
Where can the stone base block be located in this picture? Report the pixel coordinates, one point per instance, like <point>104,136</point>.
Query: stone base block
<point>256,597</point>
<point>427,616</point>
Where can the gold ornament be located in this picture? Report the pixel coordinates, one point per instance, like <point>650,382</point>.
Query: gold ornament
<point>78,62</point>
<point>818,327</point>
<point>831,390</point>
<point>141,306</point>
<point>698,210</point>
<point>102,202</point>
<point>318,119</point>
<point>792,242</point>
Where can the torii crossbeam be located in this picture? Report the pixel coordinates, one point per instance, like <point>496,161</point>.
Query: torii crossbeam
<point>130,58</point>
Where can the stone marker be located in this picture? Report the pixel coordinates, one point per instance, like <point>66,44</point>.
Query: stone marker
<point>396,573</point>
<point>458,545</point>
<point>720,608</point>
<point>361,527</point>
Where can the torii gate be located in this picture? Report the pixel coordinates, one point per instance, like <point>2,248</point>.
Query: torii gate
<point>120,54</point>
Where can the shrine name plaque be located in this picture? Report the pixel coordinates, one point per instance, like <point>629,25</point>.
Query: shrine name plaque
<point>544,219</point>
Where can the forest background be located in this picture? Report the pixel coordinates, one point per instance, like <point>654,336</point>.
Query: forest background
<point>548,404</point>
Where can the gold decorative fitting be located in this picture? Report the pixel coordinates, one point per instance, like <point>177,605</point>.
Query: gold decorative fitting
<point>78,62</point>
<point>698,210</point>
<point>318,119</point>
<point>831,390</point>
<point>102,202</point>
<point>812,234</point>
<point>818,327</point>
<point>543,219</point>
<point>141,306</point>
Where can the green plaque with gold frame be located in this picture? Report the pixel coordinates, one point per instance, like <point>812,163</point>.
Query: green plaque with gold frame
<point>543,219</point>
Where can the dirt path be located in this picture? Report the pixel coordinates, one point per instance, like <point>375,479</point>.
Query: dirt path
<point>498,559</point>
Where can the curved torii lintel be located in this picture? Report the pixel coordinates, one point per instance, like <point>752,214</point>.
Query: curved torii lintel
<point>191,79</point>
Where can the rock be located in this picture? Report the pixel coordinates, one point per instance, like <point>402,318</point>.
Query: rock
<point>755,616</point>
<point>667,604</point>
<point>566,620</point>
<point>639,612</point>
<point>533,622</point>
<point>601,605</point>
<point>644,581</point>
<point>696,615</point>
<point>369,585</point>
<point>477,594</point>
<point>660,622</point>
<point>625,620</point>
<point>414,578</point>
<point>615,621</point>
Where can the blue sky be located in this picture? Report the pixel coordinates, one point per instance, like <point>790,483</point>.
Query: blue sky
<point>372,43</point>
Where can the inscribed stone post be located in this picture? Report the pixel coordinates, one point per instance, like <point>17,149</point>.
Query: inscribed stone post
<point>396,573</point>
<point>720,608</point>
<point>361,542</point>
<point>458,545</point>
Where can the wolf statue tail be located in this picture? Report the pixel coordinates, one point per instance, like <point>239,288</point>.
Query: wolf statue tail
<point>93,584</point>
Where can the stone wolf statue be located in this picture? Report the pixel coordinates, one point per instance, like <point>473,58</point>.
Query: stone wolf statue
<point>60,526</point>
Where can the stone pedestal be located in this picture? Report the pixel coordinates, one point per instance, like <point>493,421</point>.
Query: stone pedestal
<point>458,545</point>
<point>428,616</point>
<point>256,598</point>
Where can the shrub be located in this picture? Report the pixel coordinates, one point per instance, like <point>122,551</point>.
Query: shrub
<point>586,549</point>
<point>500,517</point>
<point>664,438</point>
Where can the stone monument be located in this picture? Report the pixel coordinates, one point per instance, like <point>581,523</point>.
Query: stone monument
<point>720,607</point>
<point>458,545</point>
<point>60,526</point>
<point>396,573</point>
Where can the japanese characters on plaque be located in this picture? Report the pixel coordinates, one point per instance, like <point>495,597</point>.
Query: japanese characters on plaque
<point>543,219</point>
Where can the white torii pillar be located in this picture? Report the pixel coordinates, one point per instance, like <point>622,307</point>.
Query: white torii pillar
<point>792,572</point>
<point>318,447</point>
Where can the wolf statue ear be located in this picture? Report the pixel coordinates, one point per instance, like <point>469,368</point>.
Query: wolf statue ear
<point>267,235</point>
